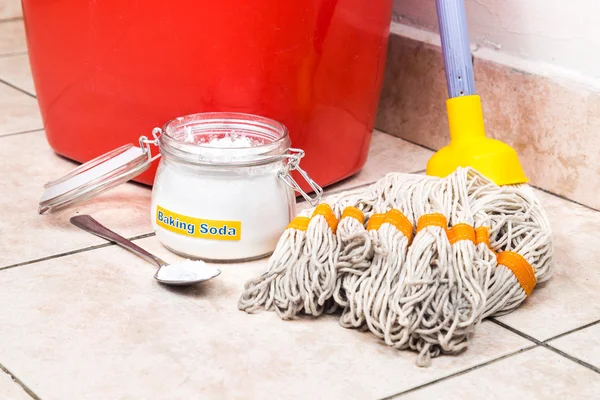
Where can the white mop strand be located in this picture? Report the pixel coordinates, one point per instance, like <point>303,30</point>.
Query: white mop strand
<point>390,229</point>
<point>356,253</point>
<point>317,274</point>
<point>355,244</point>
<point>366,278</point>
<point>353,279</point>
<point>394,237</point>
<point>470,294</point>
<point>272,289</point>
<point>301,274</point>
<point>439,298</point>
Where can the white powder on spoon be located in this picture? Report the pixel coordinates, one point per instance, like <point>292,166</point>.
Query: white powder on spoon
<point>187,271</point>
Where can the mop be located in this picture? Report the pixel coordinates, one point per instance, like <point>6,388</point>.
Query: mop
<point>478,249</point>
<point>429,294</point>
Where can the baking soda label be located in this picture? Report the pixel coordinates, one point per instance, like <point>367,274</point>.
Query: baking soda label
<point>198,227</point>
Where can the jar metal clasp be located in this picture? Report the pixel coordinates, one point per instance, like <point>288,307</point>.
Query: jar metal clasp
<point>294,156</point>
<point>145,144</point>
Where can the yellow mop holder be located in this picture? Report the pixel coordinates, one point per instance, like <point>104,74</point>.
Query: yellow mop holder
<point>469,146</point>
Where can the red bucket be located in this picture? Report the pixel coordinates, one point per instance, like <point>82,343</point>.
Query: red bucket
<point>109,71</point>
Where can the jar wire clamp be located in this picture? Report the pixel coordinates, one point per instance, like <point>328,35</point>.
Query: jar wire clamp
<point>293,164</point>
<point>145,144</point>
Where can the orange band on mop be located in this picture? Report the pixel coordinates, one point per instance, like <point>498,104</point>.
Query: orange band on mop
<point>299,223</point>
<point>326,212</point>
<point>353,212</point>
<point>432,220</point>
<point>397,219</point>
<point>520,267</point>
<point>482,235</point>
<point>461,232</point>
<point>375,221</point>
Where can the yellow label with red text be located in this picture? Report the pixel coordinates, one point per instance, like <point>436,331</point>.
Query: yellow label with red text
<point>198,227</point>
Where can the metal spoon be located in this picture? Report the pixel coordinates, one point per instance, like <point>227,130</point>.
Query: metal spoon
<point>89,224</point>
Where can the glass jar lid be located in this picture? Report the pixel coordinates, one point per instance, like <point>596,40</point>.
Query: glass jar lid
<point>94,177</point>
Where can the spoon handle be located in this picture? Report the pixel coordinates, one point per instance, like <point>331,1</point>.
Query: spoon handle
<point>89,224</point>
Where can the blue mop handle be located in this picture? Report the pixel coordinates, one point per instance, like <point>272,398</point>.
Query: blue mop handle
<point>452,21</point>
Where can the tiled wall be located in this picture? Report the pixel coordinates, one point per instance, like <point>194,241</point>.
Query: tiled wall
<point>554,126</point>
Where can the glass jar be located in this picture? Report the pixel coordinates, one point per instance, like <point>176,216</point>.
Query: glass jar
<point>223,190</point>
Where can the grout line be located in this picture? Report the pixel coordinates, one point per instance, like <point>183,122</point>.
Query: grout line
<point>143,236</point>
<point>410,141</point>
<point>572,331</point>
<point>516,331</point>
<point>11,19</point>
<point>17,88</point>
<point>552,348</point>
<point>21,133</point>
<point>560,196</point>
<point>570,357</point>
<point>542,342</point>
<point>465,371</point>
<point>20,383</point>
<point>69,253</point>
<point>340,190</point>
<point>16,53</point>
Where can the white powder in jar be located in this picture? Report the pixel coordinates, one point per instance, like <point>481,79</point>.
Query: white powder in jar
<point>231,141</point>
<point>236,212</point>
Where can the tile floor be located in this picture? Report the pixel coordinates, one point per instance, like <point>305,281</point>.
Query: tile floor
<point>82,319</point>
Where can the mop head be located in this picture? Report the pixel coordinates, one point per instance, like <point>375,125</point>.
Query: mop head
<point>416,260</point>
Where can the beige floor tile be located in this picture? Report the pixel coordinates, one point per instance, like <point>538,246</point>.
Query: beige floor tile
<point>535,374</point>
<point>27,163</point>
<point>95,325</point>
<point>387,154</point>
<point>571,298</point>
<point>18,111</point>
<point>583,344</point>
<point>12,37</point>
<point>10,9</point>
<point>9,390</point>
<point>16,71</point>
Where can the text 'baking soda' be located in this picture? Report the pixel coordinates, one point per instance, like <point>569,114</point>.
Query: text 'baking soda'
<point>197,227</point>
